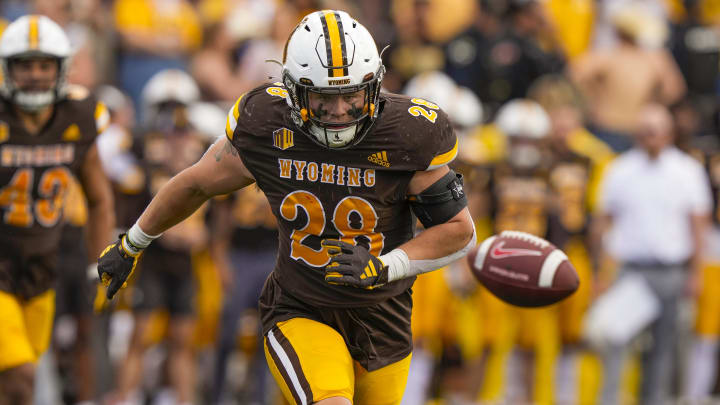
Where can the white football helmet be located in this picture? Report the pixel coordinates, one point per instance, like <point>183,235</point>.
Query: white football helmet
<point>523,118</point>
<point>526,124</point>
<point>208,119</point>
<point>33,36</point>
<point>460,103</point>
<point>330,52</point>
<point>167,86</point>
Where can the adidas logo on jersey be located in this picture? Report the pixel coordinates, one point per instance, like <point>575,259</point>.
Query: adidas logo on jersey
<point>379,158</point>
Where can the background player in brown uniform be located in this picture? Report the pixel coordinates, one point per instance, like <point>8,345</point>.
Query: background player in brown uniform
<point>702,357</point>
<point>244,242</point>
<point>578,163</point>
<point>520,189</point>
<point>346,170</point>
<point>47,135</point>
<point>165,284</point>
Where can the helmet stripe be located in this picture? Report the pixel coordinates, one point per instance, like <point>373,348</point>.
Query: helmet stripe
<point>33,36</point>
<point>343,48</point>
<point>328,50</point>
<point>334,43</point>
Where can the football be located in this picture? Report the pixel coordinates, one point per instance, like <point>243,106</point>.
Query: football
<point>523,269</point>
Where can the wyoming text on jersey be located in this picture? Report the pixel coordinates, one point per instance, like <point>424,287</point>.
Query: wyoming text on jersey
<point>326,173</point>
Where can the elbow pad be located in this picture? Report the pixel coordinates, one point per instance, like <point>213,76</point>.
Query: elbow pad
<point>441,201</point>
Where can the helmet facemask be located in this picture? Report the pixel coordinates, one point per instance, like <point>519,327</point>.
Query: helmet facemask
<point>333,134</point>
<point>33,100</point>
<point>33,37</point>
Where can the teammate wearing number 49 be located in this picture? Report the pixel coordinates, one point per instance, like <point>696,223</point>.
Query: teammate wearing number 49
<point>47,135</point>
<point>346,169</point>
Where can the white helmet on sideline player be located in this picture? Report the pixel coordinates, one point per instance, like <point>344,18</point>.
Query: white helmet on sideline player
<point>460,103</point>
<point>523,118</point>
<point>27,37</point>
<point>331,53</point>
<point>526,124</point>
<point>169,86</point>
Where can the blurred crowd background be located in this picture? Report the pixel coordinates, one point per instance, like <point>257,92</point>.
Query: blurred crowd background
<point>546,96</point>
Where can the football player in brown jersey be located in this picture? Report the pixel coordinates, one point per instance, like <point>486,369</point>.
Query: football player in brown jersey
<point>170,143</point>
<point>47,135</point>
<point>523,347</point>
<point>347,170</point>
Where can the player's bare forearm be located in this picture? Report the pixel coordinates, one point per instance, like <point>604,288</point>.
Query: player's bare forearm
<point>175,201</point>
<point>441,240</point>
<point>101,211</point>
<point>219,171</point>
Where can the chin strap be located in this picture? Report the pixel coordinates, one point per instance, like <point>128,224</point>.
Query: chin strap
<point>329,136</point>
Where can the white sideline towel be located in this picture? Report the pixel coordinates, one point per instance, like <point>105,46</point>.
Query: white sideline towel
<point>621,313</point>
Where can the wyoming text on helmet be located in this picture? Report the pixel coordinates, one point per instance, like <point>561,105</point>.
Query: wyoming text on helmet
<point>331,53</point>
<point>33,36</point>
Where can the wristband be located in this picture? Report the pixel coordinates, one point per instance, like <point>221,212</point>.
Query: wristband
<point>398,264</point>
<point>138,239</point>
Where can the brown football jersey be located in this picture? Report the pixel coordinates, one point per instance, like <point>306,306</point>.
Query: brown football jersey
<point>568,179</point>
<point>36,171</point>
<point>707,151</point>
<point>520,200</point>
<point>356,194</point>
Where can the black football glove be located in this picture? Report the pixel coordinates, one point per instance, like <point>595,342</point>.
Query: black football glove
<point>116,264</point>
<point>354,266</point>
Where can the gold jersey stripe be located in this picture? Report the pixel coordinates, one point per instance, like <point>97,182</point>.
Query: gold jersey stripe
<point>335,43</point>
<point>444,158</point>
<point>232,118</point>
<point>33,36</point>
<point>102,117</point>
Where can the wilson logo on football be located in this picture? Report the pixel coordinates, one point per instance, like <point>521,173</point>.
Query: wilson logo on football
<point>501,252</point>
<point>379,158</point>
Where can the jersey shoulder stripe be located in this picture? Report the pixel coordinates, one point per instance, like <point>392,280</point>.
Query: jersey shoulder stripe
<point>232,118</point>
<point>444,158</point>
<point>256,109</point>
<point>102,117</point>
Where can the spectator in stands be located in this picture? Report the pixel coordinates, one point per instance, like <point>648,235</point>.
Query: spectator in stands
<point>514,57</point>
<point>154,35</point>
<point>618,83</point>
<point>234,56</point>
<point>695,45</point>
<point>466,53</point>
